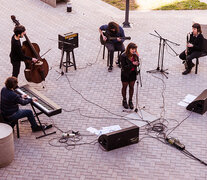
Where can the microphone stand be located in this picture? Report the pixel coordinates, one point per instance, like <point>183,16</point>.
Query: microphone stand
<point>139,79</point>
<point>162,44</point>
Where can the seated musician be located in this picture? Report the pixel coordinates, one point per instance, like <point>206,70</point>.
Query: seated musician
<point>16,54</point>
<point>113,30</point>
<point>129,63</point>
<point>194,48</point>
<point>9,105</point>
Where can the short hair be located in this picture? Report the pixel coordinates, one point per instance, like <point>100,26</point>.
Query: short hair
<point>19,30</point>
<point>198,27</point>
<point>130,46</point>
<point>113,25</point>
<point>11,82</point>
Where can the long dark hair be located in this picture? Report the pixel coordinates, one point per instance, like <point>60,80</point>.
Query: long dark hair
<point>113,25</point>
<point>130,46</point>
<point>198,27</point>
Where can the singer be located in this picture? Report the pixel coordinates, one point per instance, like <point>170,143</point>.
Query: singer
<point>193,48</point>
<point>129,62</point>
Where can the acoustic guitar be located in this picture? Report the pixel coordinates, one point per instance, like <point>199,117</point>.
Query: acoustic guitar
<point>109,38</point>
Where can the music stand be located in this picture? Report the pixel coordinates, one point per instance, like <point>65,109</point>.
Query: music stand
<point>162,44</point>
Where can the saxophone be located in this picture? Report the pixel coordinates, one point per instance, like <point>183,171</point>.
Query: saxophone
<point>187,50</point>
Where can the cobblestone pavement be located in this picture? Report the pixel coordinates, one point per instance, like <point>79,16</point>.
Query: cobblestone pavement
<point>91,91</point>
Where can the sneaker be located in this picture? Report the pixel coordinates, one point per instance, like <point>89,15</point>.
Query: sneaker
<point>124,103</point>
<point>110,69</point>
<point>131,105</point>
<point>37,128</point>
<point>187,71</point>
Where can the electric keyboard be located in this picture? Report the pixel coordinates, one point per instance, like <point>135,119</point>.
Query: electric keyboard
<point>44,104</point>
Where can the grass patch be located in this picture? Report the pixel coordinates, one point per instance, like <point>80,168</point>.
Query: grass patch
<point>121,4</point>
<point>184,5</point>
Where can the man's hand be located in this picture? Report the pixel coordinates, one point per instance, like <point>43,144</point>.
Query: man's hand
<point>34,60</point>
<point>24,96</point>
<point>118,39</point>
<point>104,37</point>
<point>190,45</point>
<point>34,99</point>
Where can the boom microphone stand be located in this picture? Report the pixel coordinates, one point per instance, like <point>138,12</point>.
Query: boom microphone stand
<point>162,44</point>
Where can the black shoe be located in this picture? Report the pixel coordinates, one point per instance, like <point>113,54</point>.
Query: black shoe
<point>37,128</point>
<point>192,65</point>
<point>110,69</point>
<point>131,105</point>
<point>124,103</point>
<point>118,64</point>
<point>187,71</point>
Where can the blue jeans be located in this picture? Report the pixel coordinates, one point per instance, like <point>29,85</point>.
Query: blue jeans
<point>21,113</point>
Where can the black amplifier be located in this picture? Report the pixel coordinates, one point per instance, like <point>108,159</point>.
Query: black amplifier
<point>121,138</point>
<point>68,41</point>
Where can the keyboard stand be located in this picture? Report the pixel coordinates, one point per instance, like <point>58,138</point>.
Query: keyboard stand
<point>43,129</point>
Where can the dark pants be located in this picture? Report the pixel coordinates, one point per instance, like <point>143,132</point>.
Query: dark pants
<point>16,67</point>
<point>21,113</point>
<point>114,47</point>
<point>190,57</point>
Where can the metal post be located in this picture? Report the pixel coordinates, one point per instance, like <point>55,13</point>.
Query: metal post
<point>126,24</point>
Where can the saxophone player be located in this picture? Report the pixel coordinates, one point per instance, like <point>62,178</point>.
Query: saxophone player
<point>194,48</point>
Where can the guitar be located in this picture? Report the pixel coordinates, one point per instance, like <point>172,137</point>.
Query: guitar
<point>109,38</point>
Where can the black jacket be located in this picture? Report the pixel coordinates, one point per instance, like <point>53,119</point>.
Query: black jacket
<point>127,65</point>
<point>197,43</point>
<point>16,53</point>
<point>10,100</point>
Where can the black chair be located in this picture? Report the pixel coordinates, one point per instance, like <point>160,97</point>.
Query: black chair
<point>108,54</point>
<point>204,53</point>
<point>2,120</point>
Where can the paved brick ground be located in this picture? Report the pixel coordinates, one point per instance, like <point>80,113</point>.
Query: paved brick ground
<point>149,159</point>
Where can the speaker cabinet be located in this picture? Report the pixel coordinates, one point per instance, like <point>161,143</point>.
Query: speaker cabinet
<point>121,138</point>
<point>199,105</point>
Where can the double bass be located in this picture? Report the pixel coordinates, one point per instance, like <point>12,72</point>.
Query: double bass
<point>34,72</point>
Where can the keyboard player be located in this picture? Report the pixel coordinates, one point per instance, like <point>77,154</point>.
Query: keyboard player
<point>10,101</point>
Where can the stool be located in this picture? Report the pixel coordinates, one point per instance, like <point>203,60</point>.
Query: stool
<point>6,145</point>
<point>108,55</point>
<point>68,62</point>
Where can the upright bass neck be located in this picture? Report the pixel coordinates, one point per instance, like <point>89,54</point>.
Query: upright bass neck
<point>32,47</point>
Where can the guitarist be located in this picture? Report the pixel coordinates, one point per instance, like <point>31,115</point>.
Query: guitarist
<point>113,30</point>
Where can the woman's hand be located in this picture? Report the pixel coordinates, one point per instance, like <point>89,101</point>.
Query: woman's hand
<point>136,63</point>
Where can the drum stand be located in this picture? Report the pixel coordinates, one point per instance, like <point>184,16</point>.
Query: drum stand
<point>162,44</point>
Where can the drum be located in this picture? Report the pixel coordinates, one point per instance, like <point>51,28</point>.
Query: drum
<point>6,145</point>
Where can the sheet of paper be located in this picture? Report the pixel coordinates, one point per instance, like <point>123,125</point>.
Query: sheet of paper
<point>104,130</point>
<point>181,103</point>
<point>189,98</point>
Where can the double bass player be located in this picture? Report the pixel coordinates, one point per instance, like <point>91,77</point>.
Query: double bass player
<point>16,54</point>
